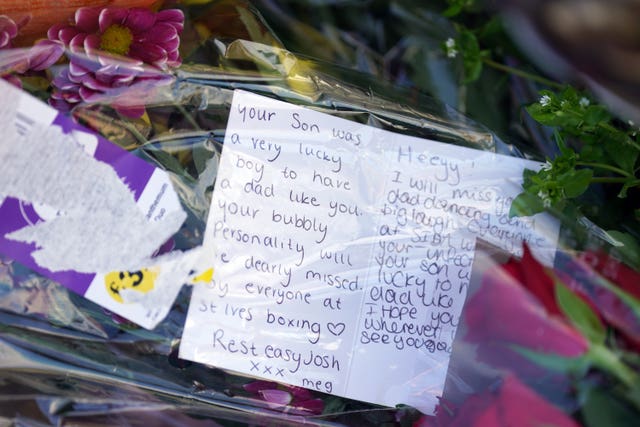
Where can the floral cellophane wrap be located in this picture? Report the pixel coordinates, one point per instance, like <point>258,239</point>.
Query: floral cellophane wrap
<point>157,79</point>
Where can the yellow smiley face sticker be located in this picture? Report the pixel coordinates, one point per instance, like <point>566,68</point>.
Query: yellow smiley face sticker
<point>141,281</point>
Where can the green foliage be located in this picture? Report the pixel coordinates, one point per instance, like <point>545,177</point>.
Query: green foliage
<point>334,405</point>
<point>526,204</point>
<point>459,52</point>
<point>629,249</point>
<point>603,409</point>
<point>602,151</point>
<point>553,184</point>
<point>471,54</point>
<point>580,314</point>
<point>466,45</point>
<point>595,146</point>
<point>457,6</point>
<point>571,366</point>
<point>599,139</point>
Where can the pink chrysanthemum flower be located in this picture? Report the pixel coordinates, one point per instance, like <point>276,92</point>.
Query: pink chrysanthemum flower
<point>9,63</point>
<point>151,37</point>
<point>123,83</point>
<point>18,61</point>
<point>8,31</point>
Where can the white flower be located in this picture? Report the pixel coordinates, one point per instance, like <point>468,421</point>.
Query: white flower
<point>545,100</point>
<point>546,200</point>
<point>547,166</point>
<point>631,123</point>
<point>584,102</point>
<point>450,46</point>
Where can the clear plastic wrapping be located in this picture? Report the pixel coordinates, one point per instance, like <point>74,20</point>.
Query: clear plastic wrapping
<point>398,203</point>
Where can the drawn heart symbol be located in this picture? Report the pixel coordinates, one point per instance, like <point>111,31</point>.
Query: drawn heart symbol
<point>335,328</point>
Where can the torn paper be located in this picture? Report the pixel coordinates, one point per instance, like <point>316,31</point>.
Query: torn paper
<point>83,211</point>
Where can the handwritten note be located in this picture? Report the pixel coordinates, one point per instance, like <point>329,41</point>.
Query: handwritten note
<point>343,252</point>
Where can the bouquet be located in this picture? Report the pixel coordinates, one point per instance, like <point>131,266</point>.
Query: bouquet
<point>567,355</point>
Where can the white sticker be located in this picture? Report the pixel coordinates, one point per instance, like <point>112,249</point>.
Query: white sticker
<point>343,252</point>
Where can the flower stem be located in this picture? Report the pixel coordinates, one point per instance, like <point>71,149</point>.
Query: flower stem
<point>608,127</point>
<point>605,359</point>
<point>132,129</point>
<point>608,361</point>
<point>607,180</point>
<point>521,73</point>
<point>187,116</point>
<point>606,167</point>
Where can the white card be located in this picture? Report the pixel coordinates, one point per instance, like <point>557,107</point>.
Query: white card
<point>343,252</point>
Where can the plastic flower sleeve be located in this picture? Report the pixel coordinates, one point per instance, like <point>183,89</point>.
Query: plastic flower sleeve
<point>88,365</point>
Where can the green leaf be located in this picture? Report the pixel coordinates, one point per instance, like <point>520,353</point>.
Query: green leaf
<point>525,204</point>
<point>471,55</point>
<point>562,144</point>
<point>528,178</point>
<point>456,7</point>
<point>592,153</point>
<point>575,182</point>
<point>200,156</point>
<point>604,409</point>
<point>569,94</point>
<point>452,10</point>
<point>630,249</point>
<point>492,28</point>
<point>604,359</point>
<point>334,405</point>
<point>543,115</point>
<point>580,314</point>
<point>596,114</point>
<point>472,69</point>
<point>168,162</point>
<point>625,155</point>
<point>631,182</point>
<point>567,365</point>
<point>630,358</point>
<point>468,42</point>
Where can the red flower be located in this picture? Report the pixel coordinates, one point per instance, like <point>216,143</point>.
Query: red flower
<point>503,312</point>
<point>614,300</point>
<point>513,404</point>
<point>623,276</point>
<point>507,314</point>
<point>532,275</point>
